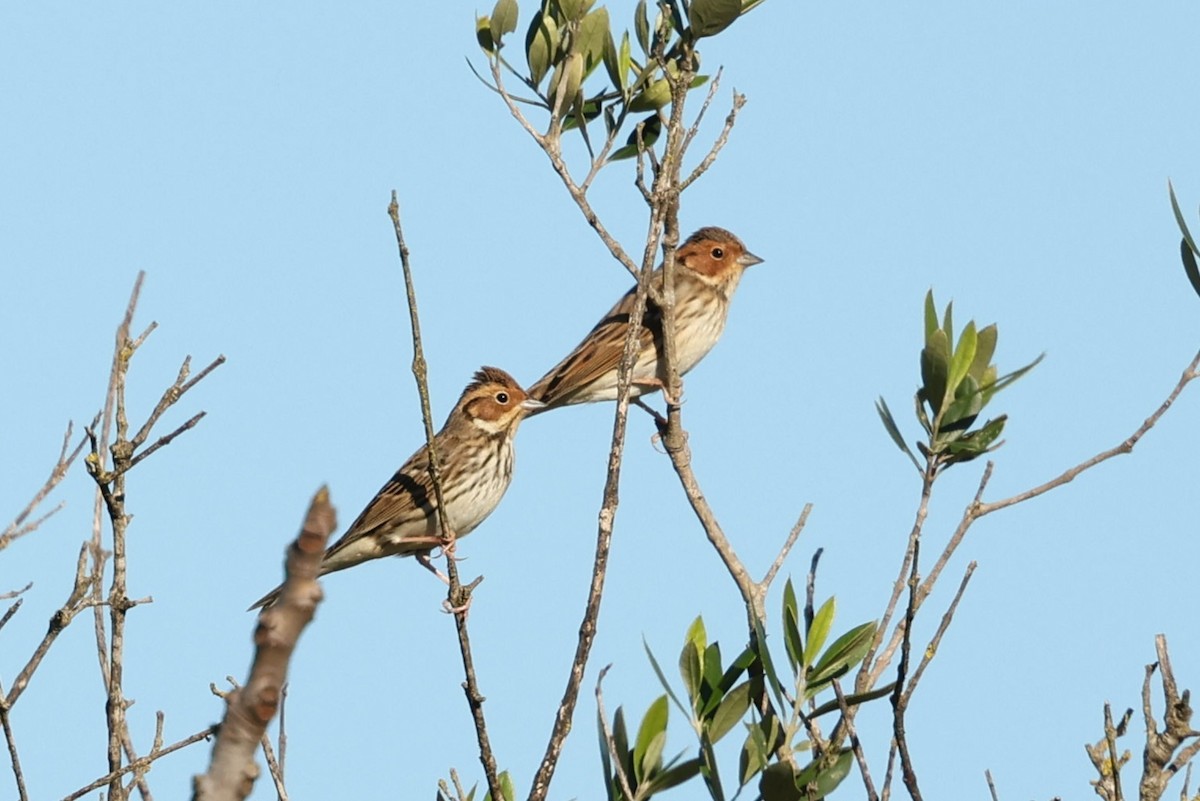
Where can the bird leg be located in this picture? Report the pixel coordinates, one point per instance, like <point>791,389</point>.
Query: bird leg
<point>657,383</point>
<point>426,561</point>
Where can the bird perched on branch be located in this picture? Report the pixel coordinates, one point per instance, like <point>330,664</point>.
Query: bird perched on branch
<point>475,457</point>
<point>708,267</point>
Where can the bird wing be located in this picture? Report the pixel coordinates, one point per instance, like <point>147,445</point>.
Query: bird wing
<point>406,500</point>
<point>599,352</point>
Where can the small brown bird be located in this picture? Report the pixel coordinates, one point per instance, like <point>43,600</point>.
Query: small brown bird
<point>708,267</point>
<point>475,453</point>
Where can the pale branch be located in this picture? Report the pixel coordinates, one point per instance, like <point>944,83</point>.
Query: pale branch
<point>931,649</point>
<point>987,774</point>
<point>1190,374</point>
<point>458,595</point>
<point>855,745</point>
<point>710,158</point>
<point>19,527</point>
<point>1104,756</point>
<point>14,757</point>
<point>604,532</point>
<point>142,763</point>
<point>76,602</point>
<point>249,708</point>
<point>1161,762</point>
<point>788,544</point>
<point>615,757</point>
<point>549,144</point>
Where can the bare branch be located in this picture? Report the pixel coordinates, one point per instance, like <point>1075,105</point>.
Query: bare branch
<point>459,595</point>
<point>141,764</point>
<point>931,650</point>
<point>249,708</point>
<point>793,535</point>
<point>855,745</point>
<point>18,527</point>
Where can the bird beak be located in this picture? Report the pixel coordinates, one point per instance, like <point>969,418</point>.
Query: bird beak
<point>748,259</point>
<point>531,405</point>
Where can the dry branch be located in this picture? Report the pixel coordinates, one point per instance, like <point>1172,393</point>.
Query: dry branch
<point>249,708</point>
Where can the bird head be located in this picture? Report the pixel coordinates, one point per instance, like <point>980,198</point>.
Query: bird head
<point>715,256</point>
<point>495,402</point>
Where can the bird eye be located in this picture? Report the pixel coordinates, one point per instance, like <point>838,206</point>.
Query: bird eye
<point>501,397</point>
<point>717,253</point>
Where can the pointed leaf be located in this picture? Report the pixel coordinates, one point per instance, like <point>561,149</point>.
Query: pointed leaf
<point>931,319</point>
<point>605,758</point>
<point>650,128</point>
<point>541,46</point>
<point>641,27</point>
<point>574,9</point>
<point>1183,227</point>
<point>654,96</point>
<point>732,709</point>
<point>959,415</point>
<point>506,787</point>
<point>710,17</point>
<point>483,34</point>
<point>832,776</point>
<point>662,677</point>
<point>1005,381</point>
<point>778,783</point>
<point>819,631</point>
<point>753,757</point>
<point>964,356</point>
<point>889,423</point>
<point>935,370</point>
<point>852,700</point>
<point>1189,265</point>
<point>504,18</point>
<point>846,651</point>
<point>985,349</point>
<point>593,37</point>
<point>710,690</point>
<point>621,741</point>
<point>690,671</point>
<point>736,668</point>
<point>789,599</point>
<point>612,61</point>
<point>624,61</point>
<point>672,777</point>
<point>948,322</point>
<point>654,726</point>
<point>792,641</point>
<point>764,656</point>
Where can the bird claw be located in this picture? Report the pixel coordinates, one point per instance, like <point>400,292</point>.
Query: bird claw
<point>461,609</point>
<point>426,561</point>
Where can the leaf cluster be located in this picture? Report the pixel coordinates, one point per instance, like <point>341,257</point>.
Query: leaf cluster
<point>774,708</point>
<point>567,41</point>
<point>958,379</point>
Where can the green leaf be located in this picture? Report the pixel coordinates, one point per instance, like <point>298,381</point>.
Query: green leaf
<point>506,787</point>
<point>504,18</point>
<point>852,700</point>
<point>624,61</point>
<point>612,61</point>
<point>732,709</point>
<point>1187,235</point>
<point>1005,381</point>
<point>977,443</point>
<point>655,95</point>
<point>570,72</point>
<point>819,631</point>
<point>931,320</point>
<point>641,27</point>
<point>672,777</point>
<point>821,777</point>
<point>961,413</point>
<point>483,34</point>
<point>985,349</point>
<point>593,36</point>
<point>964,356</point>
<point>792,641</point>
<point>541,46</point>
<point>710,689</point>
<point>935,369</point>
<point>710,17</point>
<point>889,423</point>
<point>778,783</point>
<point>846,651</point>
<point>1189,265</point>
<point>654,727</point>
<point>605,758</point>
<point>621,741</point>
<point>948,322</point>
<point>789,599</point>
<point>662,678</point>
<point>755,752</point>
<point>736,668</point>
<point>768,665</point>
<point>690,669</point>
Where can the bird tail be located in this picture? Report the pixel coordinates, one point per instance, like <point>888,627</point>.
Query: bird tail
<point>265,601</point>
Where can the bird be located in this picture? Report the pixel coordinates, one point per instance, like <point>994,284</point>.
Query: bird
<point>708,267</point>
<point>475,455</point>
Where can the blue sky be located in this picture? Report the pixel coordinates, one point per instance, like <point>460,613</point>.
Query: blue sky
<point>1012,157</point>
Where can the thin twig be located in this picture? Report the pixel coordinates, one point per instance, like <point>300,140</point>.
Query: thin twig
<point>987,774</point>
<point>617,759</point>
<point>459,595</point>
<point>18,527</point>
<point>141,764</point>
<point>855,745</point>
<point>793,535</point>
<point>931,649</point>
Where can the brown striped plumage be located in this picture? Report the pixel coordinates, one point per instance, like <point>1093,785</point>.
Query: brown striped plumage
<point>708,267</point>
<point>475,454</point>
